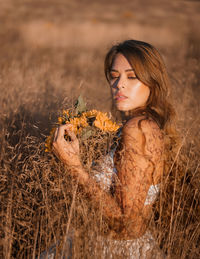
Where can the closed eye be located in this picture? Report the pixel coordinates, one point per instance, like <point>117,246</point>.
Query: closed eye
<point>113,77</point>
<point>132,77</point>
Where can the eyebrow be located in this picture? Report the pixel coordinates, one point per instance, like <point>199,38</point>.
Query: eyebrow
<point>127,70</point>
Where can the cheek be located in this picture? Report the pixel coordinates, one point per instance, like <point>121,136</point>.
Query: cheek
<point>145,92</point>
<point>141,92</point>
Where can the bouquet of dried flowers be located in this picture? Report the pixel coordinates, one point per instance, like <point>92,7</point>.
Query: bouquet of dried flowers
<point>94,129</point>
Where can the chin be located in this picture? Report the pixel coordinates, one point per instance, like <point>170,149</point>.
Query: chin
<point>122,109</point>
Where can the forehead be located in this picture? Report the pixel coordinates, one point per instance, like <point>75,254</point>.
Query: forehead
<point>120,62</point>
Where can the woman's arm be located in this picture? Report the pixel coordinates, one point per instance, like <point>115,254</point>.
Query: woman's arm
<point>141,149</point>
<point>68,153</point>
<point>139,166</point>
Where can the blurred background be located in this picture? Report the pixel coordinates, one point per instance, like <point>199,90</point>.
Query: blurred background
<point>50,52</point>
<point>57,48</point>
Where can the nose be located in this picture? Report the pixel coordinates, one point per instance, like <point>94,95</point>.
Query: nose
<point>120,83</point>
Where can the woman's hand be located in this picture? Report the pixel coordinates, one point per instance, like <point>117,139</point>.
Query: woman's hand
<point>66,151</point>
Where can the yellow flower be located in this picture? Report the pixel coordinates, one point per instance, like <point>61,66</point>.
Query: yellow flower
<point>65,113</point>
<point>83,121</point>
<point>91,113</point>
<point>79,123</point>
<point>104,123</point>
<point>60,120</point>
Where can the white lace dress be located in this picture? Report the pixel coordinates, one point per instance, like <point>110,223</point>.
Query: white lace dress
<point>138,248</point>
<point>144,247</point>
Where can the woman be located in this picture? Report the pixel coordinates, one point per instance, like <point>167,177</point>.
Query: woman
<point>139,85</point>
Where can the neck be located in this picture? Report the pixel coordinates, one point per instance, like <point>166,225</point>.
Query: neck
<point>127,115</point>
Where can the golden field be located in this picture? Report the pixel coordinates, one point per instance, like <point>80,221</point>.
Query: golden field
<point>51,51</point>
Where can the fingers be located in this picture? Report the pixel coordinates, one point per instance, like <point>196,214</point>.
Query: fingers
<point>55,135</point>
<point>71,134</point>
<point>55,151</point>
<point>65,150</point>
<point>61,131</point>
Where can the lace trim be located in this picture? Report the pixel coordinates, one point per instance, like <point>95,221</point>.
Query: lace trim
<point>152,194</point>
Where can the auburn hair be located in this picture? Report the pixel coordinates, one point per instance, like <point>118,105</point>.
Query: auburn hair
<point>150,69</point>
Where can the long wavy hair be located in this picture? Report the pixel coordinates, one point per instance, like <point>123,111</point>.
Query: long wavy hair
<point>150,69</point>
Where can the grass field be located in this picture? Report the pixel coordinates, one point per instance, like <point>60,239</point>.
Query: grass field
<point>51,51</point>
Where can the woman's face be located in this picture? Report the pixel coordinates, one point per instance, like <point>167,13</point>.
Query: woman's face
<point>127,91</point>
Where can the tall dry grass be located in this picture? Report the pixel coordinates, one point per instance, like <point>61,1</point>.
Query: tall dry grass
<point>40,202</point>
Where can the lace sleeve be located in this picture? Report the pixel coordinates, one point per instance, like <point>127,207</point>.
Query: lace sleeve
<point>139,164</point>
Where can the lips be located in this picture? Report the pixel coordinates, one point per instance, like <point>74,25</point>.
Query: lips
<point>120,97</point>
